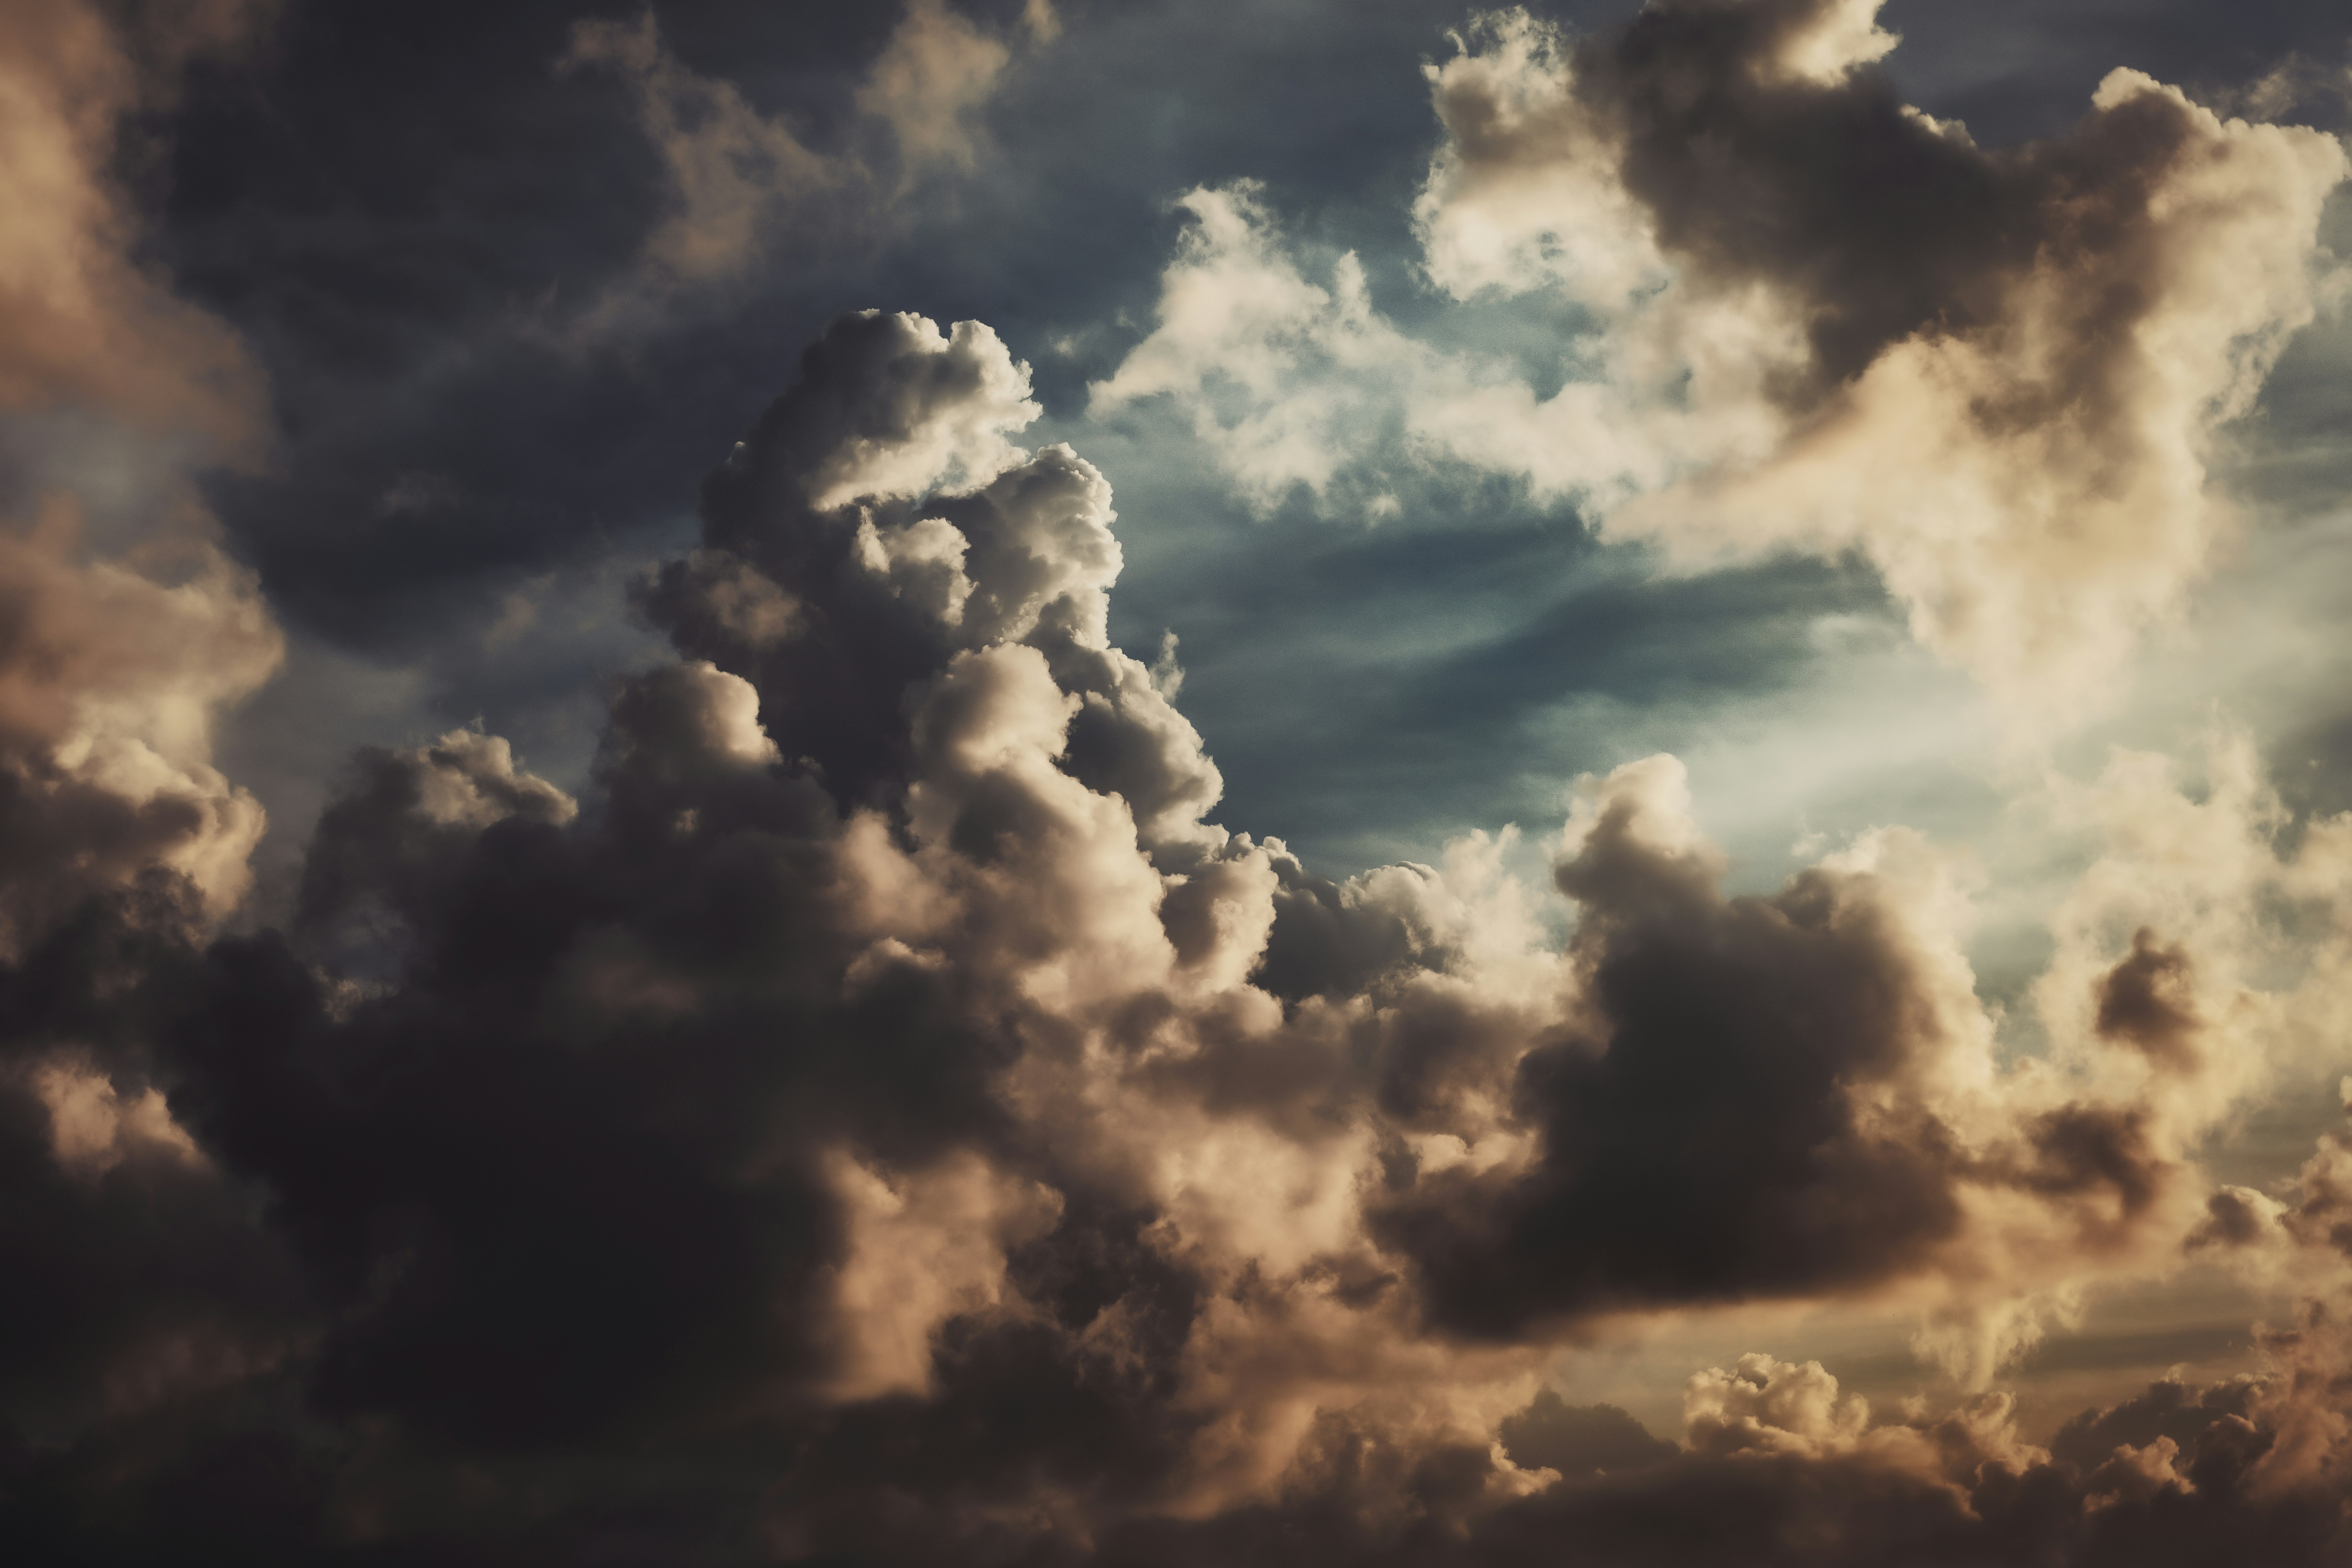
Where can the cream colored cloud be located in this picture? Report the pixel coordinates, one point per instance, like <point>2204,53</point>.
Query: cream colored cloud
<point>959,396</point>
<point>1808,1081</point>
<point>1523,190</point>
<point>467,779</point>
<point>108,696</point>
<point>92,1129</point>
<point>1310,363</point>
<point>2033,491</point>
<point>1828,43</point>
<point>2017,438</point>
<point>922,1247</point>
<point>82,323</point>
<point>1289,383</point>
<point>2033,486</point>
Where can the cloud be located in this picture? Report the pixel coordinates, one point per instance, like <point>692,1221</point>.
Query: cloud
<point>92,1130</point>
<point>1577,1441</point>
<point>935,73</point>
<point>122,845</point>
<point>1303,362</point>
<point>1814,319</point>
<point>1780,1466</point>
<point>917,1256</point>
<point>84,323</point>
<point>745,187</point>
<point>114,665</point>
<point>885,1085</point>
<point>731,170</point>
<point>882,1116</point>
<point>1866,1129</point>
<point>109,685</point>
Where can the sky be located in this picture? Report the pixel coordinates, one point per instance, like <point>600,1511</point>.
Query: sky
<point>1058,784</point>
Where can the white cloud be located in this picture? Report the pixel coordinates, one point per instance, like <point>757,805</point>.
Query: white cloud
<point>2024,463</point>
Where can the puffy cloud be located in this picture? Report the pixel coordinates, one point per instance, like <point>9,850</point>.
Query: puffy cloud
<point>1520,192</point>
<point>916,1256</point>
<point>1577,1441</point>
<point>1816,318</point>
<point>1802,1093</point>
<point>1783,1468</point>
<point>109,682</point>
<point>2020,443</point>
<point>884,1083</point>
<point>404,816</point>
<point>1303,362</point>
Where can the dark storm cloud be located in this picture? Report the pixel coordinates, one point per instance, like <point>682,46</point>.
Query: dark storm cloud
<point>1732,1121</point>
<point>1881,226</point>
<point>555,1186</point>
<point>1704,1147</point>
<point>138,1278</point>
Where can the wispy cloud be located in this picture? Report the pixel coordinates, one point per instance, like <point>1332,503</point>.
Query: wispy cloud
<point>743,187</point>
<point>1998,376</point>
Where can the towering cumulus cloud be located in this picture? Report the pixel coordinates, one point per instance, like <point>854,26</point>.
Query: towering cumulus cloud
<point>886,1123</point>
<point>875,1116</point>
